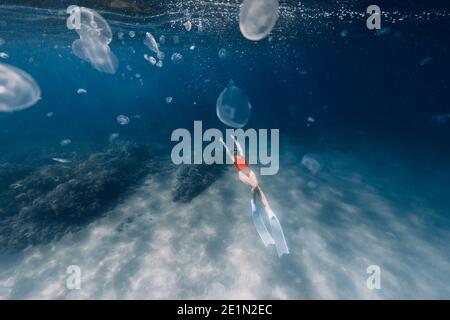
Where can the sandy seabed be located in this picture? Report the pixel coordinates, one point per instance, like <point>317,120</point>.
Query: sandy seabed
<point>337,223</point>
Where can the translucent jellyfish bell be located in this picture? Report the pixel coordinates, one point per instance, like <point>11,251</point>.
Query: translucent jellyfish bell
<point>100,56</point>
<point>89,24</point>
<point>257,18</point>
<point>151,43</point>
<point>312,162</point>
<point>176,58</point>
<point>18,90</point>
<point>123,120</point>
<point>233,106</point>
<point>222,53</point>
<point>95,35</point>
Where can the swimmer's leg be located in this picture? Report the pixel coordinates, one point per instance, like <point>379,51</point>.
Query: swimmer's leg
<point>258,221</point>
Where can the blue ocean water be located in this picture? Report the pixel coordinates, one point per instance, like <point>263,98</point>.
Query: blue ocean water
<point>141,227</point>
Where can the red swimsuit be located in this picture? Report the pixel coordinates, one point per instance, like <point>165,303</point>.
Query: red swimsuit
<point>239,162</point>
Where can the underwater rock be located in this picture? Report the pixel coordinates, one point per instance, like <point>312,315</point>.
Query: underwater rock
<point>192,180</point>
<point>45,204</point>
<point>18,90</point>
<point>233,106</point>
<point>257,18</point>
<point>9,173</point>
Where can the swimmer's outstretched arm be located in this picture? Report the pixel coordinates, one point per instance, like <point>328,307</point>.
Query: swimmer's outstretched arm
<point>240,150</point>
<point>264,200</point>
<point>230,155</point>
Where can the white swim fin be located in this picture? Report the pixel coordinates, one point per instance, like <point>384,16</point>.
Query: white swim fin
<point>260,226</point>
<point>278,235</point>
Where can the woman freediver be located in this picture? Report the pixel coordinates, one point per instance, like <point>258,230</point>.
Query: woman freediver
<point>248,177</point>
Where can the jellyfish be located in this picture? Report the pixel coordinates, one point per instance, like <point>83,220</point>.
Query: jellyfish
<point>65,142</point>
<point>223,53</point>
<point>88,24</point>
<point>188,25</point>
<point>100,56</point>
<point>233,106</point>
<point>257,18</point>
<point>176,58</point>
<point>344,33</point>
<point>169,100</point>
<point>113,136</point>
<point>426,61</point>
<point>150,59</point>
<point>18,90</point>
<point>312,162</point>
<point>151,43</point>
<point>95,36</point>
<point>123,120</point>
